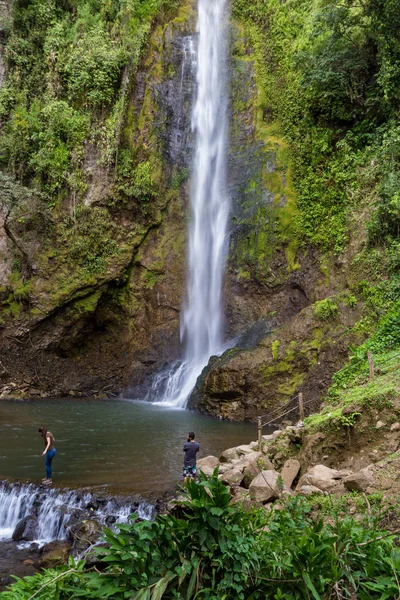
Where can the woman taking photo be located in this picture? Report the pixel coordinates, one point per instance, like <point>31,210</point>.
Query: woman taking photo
<point>49,452</point>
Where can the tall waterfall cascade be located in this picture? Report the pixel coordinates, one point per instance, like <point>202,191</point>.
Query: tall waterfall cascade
<point>202,318</point>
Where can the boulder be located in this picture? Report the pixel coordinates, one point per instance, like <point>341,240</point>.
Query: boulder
<point>360,481</point>
<point>321,477</point>
<point>245,449</point>
<point>309,490</point>
<point>84,534</point>
<point>224,468</point>
<point>395,427</point>
<point>290,470</point>
<point>208,464</point>
<point>229,455</point>
<point>208,461</point>
<point>254,466</point>
<point>254,445</point>
<point>265,487</point>
<point>232,477</point>
<point>55,554</point>
<point>254,457</point>
<point>26,529</point>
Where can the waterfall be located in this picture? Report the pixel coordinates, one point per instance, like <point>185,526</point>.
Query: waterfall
<point>52,510</point>
<point>202,316</point>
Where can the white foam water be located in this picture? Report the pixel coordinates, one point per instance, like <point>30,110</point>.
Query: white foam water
<point>202,331</point>
<point>53,509</point>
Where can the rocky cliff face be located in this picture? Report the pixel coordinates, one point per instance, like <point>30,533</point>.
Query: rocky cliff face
<point>284,344</point>
<point>91,289</point>
<point>90,294</point>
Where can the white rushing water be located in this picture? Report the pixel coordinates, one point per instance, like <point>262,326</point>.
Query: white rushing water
<point>202,317</point>
<point>53,509</point>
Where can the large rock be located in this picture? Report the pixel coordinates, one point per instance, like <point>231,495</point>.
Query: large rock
<point>84,534</point>
<point>360,481</point>
<point>254,467</point>
<point>244,449</point>
<point>265,487</point>
<point>207,464</point>
<point>26,529</point>
<point>208,461</point>
<point>290,470</point>
<point>245,460</point>
<point>55,554</point>
<point>232,477</point>
<point>229,455</point>
<point>321,477</point>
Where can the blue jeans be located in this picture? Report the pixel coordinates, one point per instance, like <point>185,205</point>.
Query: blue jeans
<point>49,457</point>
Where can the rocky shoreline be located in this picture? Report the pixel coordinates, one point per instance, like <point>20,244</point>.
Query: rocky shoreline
<point>284,464</point>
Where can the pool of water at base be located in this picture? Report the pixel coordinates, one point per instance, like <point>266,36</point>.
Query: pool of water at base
<point>126,445</point>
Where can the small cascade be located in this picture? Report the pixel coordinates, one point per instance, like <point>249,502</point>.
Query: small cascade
<point>202,330</point>
<point>53,510</point>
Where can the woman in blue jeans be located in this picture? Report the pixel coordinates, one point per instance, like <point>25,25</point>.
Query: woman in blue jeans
<point>49,452</point>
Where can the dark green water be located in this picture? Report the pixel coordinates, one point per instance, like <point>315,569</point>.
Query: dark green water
<point>133,446</point>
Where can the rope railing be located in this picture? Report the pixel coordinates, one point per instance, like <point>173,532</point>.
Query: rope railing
<point>299,406</point>
<point>278,409</point>
<point>386,360</point>
<point>373,363</point>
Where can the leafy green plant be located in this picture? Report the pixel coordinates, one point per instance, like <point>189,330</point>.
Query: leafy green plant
<point>212,550</point>
<point>326,309</point>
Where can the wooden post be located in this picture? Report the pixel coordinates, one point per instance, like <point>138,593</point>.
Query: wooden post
<point>259,428</point>
<point>371,365</point>
<point>301,406</point>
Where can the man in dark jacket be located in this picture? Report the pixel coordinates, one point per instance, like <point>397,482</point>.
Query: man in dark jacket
<point>190,449</point>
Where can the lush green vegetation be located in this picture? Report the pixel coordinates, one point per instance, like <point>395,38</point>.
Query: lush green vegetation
<point>71,67</point>
<point>329,73</point>
<point>220,552</point>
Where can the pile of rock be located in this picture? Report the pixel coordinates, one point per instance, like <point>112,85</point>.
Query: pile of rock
<point>253,478</point>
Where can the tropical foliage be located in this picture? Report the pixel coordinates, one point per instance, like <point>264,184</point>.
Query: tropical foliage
<point>70,66</point>
<point>215,551</point>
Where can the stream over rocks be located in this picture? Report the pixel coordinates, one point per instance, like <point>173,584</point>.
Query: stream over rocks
<point>29,513</point>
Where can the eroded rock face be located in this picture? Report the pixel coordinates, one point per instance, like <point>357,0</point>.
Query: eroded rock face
<point>96,331</point>
<point>83,330</point>
<point>300,355</point>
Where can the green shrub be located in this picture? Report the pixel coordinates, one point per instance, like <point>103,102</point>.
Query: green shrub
<point>326,309</point>
<point>215,551</point>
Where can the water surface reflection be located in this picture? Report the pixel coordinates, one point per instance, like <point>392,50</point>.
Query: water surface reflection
<point>131,445</point>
